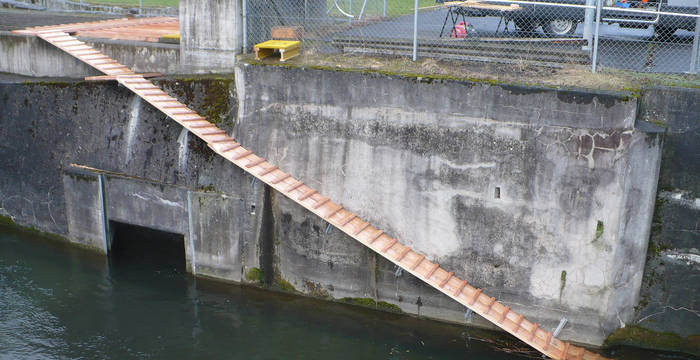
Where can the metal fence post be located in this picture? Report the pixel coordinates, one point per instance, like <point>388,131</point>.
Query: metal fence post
<point>588,25</point>
<point>351,12</point>
<point>696,43</point>
<point>385,8</point>
<point>596,34</point>
<point>140,7</point>
<point>415,31</point>
<point>245,26</point>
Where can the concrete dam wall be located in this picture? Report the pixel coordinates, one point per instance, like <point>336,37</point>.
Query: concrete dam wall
<point>541,197</point>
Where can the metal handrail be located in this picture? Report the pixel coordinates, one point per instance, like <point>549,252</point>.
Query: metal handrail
<point>612,8</point>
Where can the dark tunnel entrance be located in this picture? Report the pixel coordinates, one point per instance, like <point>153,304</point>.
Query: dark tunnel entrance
<point>138,248</point>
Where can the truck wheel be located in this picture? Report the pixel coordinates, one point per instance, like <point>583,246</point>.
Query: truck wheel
<point>525,25</point>
<point>559,27</point>
<point>664,32</point>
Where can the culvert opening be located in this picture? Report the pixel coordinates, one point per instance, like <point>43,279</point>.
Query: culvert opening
<point>139,248</point>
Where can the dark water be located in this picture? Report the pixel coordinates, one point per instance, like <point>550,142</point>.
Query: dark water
<point>60,302</point>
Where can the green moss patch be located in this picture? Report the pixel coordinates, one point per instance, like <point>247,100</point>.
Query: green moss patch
<point>207,188</point>
<point>316,290</point>
<point>599,229</point>
<point>562,285</point>
<point>367,302</point>
<point>642,337</point>
<point>628,83</point>
<point>254,275</point>
<point>208,96</point>
<point>284,285</point>
<point>7,221</point>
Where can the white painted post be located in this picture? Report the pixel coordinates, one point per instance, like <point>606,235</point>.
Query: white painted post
<point>696,46</point>
<point>351,12</point>
<point>588,25</point>
<point>190,232</point>
<point>560,327</point>
<point>245,26</point>
<point>105,218</point>
<point>596,34</point>
<point>385,8</point>
<point>415,31</point>
<point>140,7</point>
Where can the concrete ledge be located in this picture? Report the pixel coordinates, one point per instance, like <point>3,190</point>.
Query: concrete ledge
<point>31,56</point>
<point>141,56</point>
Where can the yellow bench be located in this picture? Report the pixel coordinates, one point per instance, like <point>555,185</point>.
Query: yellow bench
<point>287,48</point>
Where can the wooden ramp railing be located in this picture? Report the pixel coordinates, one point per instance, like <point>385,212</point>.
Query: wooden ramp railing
<point>334,213</point>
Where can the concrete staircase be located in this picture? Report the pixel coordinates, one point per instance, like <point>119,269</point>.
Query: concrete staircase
<point>334,213</point>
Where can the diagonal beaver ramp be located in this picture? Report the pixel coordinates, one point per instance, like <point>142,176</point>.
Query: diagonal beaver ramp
<point>334,213</point>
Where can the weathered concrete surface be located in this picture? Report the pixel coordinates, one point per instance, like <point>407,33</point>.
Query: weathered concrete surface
<point>84,211</point>
<point>303,247</point>
<point>31,56</point>
<point>214,43</point>
<point>141,56</point>
<point>425,160</point>
<point>221,227</point>
<point>669,296</point>
<point>155,174</point>
<point>28,55</point>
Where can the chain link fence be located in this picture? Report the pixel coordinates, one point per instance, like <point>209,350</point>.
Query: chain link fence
<point>640,35</point>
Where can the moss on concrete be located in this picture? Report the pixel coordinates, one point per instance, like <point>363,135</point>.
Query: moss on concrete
<point>389,307</point>
<point>8,222</point>
<point>316,290</point>
<point>209,96</point>
<point>429,69</point>
<point>207,188</point>
<point>254,275</point>
<point>216,100</point>
<point>81,177</point>
<point>284,285</point>
<point>599,228</point>
<point>642,337</point>
<point>562,284</point>
<point>368,302</point>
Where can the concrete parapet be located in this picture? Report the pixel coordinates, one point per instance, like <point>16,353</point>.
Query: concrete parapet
<point>30,56</point>
<point>212,44</point>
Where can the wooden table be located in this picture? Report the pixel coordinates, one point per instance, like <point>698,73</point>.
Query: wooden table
<point>455,9</point>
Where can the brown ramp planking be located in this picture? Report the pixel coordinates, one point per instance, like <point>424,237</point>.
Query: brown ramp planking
<point>385,245</point>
